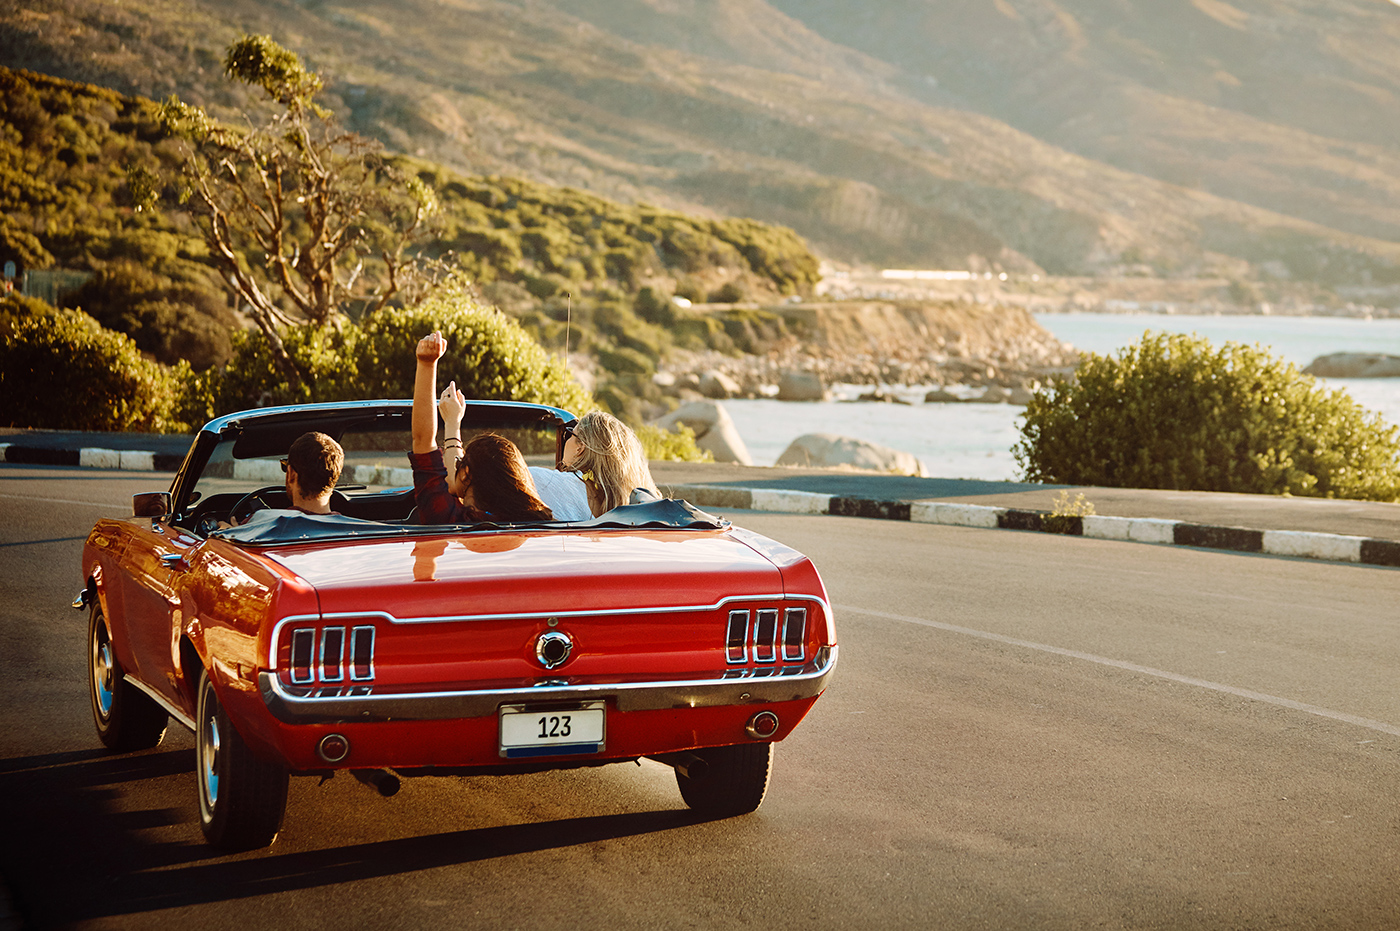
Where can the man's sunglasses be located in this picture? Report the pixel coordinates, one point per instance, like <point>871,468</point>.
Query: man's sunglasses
<point>283,464</point>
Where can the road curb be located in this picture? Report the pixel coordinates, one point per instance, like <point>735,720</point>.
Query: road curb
<point>1322,546</point>
<point>92,457</point>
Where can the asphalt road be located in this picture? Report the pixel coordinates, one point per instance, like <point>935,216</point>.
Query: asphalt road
<point>1025,731</point>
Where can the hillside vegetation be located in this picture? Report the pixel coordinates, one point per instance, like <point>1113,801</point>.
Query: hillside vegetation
<point>1079,136</point>
<point>545,253</point>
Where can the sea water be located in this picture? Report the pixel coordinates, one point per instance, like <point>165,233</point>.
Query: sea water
<point>976,440</point>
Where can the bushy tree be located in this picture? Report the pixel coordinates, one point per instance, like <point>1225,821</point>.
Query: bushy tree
<point>1171,411</point>
<point>62,370</point>
<point>294,209</point>
<point>489,356</point>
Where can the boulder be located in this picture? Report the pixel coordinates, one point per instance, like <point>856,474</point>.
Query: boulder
<point>1355,365</point>
<point>881,396</point>
<point>801,386</point>
<point>829,451</point>
<point>941,396</point>
<point>1020,395</point>
<point>995,395</point>
<point>716,384</point>
<point>714,430</point>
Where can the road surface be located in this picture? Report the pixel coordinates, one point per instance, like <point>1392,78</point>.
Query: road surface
<point>1025,731</point>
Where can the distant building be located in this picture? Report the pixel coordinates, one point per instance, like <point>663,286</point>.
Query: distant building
<point>50,284</point>
<point>910,274</point>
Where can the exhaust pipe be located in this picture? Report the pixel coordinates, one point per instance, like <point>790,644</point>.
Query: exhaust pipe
<point>686,763</point>
<point>380,780</point>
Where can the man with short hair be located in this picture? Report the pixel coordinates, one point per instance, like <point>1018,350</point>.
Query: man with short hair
<point>313,467</point>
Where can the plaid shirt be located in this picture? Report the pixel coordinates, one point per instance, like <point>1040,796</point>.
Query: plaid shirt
<point>436,505</point>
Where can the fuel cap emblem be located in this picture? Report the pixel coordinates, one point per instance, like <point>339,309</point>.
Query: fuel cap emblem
<point>552,648</point>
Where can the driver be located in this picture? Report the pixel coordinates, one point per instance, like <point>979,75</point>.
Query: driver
<point>313,467</point>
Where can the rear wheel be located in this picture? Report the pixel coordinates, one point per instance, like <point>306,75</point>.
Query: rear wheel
<point>126,717</point>
<point>241,798</point>
<point>734,781</point>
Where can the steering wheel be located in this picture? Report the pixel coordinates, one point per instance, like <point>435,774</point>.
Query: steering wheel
<point>252,502</point>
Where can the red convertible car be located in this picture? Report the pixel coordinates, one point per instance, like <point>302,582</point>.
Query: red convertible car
<point>367,642</point>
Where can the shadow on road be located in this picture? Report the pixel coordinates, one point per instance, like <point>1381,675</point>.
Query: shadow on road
<point>71,855</point>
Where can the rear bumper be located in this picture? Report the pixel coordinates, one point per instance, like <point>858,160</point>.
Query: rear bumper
<point>736,687</point>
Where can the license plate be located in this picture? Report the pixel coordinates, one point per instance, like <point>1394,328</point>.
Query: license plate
<point>552,730</point>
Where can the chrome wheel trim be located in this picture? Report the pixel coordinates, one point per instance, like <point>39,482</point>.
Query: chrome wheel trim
<point>209,758</point>
<point>102,663</point>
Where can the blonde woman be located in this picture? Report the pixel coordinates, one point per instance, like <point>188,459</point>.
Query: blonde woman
<point>608,456</point>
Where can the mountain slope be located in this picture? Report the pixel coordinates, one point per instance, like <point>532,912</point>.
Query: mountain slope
<point>739,108</point>
<point>1290,106</point>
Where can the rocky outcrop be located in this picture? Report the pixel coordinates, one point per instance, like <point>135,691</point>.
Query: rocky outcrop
<point>829,451</point>
<point>714,430</point>
<point>885,343</point>
<point>715,384</point>
<point>801,386</point>
<point>1355,365</point>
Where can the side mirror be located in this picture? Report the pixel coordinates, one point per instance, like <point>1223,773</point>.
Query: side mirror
<point>150,504</point>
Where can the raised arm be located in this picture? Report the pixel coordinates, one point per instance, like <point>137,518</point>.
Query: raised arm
<point>452,405</point>
<point>430,349</point>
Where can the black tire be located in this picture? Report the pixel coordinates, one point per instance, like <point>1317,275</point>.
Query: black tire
<point>734,782</point>
<point>126,718</point>
<point>241,798</point>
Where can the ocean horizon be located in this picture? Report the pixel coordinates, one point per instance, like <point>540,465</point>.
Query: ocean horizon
<point>975,441</point>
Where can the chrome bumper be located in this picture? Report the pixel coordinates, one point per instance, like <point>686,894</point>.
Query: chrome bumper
<point>736,687</point>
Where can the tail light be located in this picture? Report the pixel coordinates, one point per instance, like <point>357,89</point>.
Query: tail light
<point>763,635</point>
<point>334,660</point>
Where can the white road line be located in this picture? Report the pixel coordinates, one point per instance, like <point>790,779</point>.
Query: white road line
<point>91,504</point>
<point>1367,723</point>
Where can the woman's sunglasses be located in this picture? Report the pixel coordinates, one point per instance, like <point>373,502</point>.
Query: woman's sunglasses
<point>569,430</point>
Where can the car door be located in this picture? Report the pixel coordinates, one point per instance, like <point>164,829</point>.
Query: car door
<point>156,556</point>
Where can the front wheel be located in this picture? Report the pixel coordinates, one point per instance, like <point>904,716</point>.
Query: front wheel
<point>241,798</point>
<point>734,781</point>
<point>126,718</point>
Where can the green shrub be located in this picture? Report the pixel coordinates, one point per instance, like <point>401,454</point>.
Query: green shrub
<point>623,360</point>
<point>1173,412</point>
<point>488,354</point>
<point>63,371</point>
<point>169,320</point>
<point>326,357</point>
<point>679,446</point>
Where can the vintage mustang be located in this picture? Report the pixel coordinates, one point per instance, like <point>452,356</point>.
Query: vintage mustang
<point>367,642</point>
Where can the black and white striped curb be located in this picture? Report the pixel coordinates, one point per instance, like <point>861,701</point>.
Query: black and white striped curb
<point>133,460</point>
<point>1328,546</point>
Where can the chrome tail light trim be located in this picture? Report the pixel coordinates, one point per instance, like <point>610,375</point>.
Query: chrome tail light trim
<point>736,646</point>
<point>362,653</point>
<point>794,635</point>
<point>765,635</point>
<point>303,654</point>
<point>333,654</point>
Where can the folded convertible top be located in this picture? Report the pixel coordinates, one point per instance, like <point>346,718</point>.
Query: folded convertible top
<point>662,514</point>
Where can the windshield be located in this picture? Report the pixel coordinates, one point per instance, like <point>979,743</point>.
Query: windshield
<point>376,481</point>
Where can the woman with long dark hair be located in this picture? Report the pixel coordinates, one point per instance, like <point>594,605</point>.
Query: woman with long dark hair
<point>485,480</point>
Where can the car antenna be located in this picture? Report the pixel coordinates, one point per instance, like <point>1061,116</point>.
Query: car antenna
<point>568,322</point>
